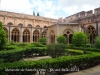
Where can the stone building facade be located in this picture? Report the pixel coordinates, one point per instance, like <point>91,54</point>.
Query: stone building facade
<point>29,28</point>
<point>23,27</point>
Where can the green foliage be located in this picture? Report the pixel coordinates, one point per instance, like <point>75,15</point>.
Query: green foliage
<point>36,44</point>
<point>79,39</point>
<point>81,61</point>
<point>33,13</point>
<point>56,50</point>
<point>3,38</point>
<point>38,14</point>
<point>61,39</point>
<point>42,41</point>
<point>97,41</point>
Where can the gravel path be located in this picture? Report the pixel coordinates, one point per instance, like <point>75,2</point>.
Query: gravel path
<point>91,71</point>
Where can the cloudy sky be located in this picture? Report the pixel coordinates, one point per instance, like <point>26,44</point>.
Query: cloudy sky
<point>49,8</point>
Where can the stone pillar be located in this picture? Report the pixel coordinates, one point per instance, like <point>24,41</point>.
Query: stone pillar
<point>21,35</point>
<point>68,38</point>
<point>40,34</point>
<point>96,28</point>
<point>9,33</point>
<point>31,35</point>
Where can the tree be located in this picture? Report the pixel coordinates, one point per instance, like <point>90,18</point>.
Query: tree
<point>38,14</point>
<point>3,38</point>
<point>61,39</point>
<point>33,13</point>
<point>56,50</point>
<point>97,41</point>
<point>42,41</point>
<point>79,39</point>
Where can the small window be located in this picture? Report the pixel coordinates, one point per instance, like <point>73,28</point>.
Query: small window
<point>37,25</point>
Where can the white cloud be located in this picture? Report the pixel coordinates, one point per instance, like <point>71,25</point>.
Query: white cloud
<point>49,8</point>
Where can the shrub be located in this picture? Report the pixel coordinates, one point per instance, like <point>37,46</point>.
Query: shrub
<point>79,39</point>
<point>3,39</point>
<point>36,44</point>
<point>61,39</point>
<point>42,41</point>
<point>97,41</point>
<point>56,50</point>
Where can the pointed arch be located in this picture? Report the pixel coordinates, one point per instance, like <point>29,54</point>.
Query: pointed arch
<point>68,33</point>
<point>35,36</point>
<point>44,33</point>
<point>91,32</point>
<point>15,35</point>
<point>26,35</point>
<point>52,36</point>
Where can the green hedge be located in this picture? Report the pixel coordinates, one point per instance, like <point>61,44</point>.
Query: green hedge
<point>87,49</point>
<point>11,55</point>
<point>80,61</point>
<point>17,54</point>
<point>74,52</point>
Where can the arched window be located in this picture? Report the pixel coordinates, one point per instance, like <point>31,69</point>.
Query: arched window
<point>35,36</point>
<point>44,33</point>
<point>15,35</point>
<point>20,24</point>
<point>45,27</point>
<point>5,29</point>
<point>68,34</point>
<point>10,23</point>
<point>91,32</point>
<point>37,26</point>
<point>29,25</point>
<point>52,36</point>
<point>26,35</point>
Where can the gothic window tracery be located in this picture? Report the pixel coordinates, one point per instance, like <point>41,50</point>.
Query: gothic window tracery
<point>15,35</point>
<point>35,36</point>
<point>26,35</point>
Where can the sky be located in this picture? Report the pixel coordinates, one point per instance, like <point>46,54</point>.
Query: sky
<point>49,8</point>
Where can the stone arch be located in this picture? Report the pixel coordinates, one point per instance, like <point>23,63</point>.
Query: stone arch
<point>44,33</point>
<point>26,35</point>
<point>6,30</point>
<point>29,25</point>
<point>68,33</point>
<point>45,27</point>
<point>10,23</point>
<point>37,26</point>
<point>52,36</point>
<point>20,24</point>
<point>91,32</point>
<point>35,36</point>
<point>15,35</point>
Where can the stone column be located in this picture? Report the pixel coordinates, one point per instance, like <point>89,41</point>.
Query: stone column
<point>96,28</point>
<point>9,33</point>
<point>40,34</point>
<point>68,38</point>
<point>31,36</point>
<point>21,35</point>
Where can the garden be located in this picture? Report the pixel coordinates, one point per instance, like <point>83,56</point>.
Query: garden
<point>65,58</point>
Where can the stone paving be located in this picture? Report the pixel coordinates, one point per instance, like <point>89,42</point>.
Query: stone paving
<point>91,71</point>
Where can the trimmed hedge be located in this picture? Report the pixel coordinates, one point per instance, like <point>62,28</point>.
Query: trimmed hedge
<point>87,49</point>
<point>81,61</point>
<point>17,54</point>
<point>74,52</point>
